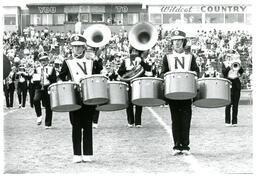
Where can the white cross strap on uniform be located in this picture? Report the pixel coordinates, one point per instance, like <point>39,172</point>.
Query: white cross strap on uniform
<point>79,68</point>
<point>179,61</point>
<point>47,71</point>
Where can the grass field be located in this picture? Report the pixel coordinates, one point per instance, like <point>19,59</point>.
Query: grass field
<point>29,148</point>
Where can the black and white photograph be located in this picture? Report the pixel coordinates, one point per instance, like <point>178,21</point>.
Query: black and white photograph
<point>146,88</point>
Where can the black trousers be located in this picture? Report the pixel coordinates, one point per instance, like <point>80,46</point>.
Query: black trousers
<point>22,93</point>
<point>9,92</point>
<point>181,112</point>
<point>81,121</point>
<point>31,91</point>
<point>42,95</point>
<point>235,97</point>
<point>96,117</point>
<point>131,118</point>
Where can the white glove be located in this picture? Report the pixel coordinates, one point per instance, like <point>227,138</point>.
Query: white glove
<point>128,68</point>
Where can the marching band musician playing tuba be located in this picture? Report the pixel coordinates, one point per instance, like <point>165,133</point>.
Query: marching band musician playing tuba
<point>232,70</point>
<point>44,75</point>
<point>181,110</point>
<point>135,61</point>
<point>75,69</point>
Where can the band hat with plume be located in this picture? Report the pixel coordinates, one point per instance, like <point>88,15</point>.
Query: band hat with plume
<point>178,34</point>
<point>78,39</point>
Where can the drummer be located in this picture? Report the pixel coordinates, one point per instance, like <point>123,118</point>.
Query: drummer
<point>129,64</point>
<point>181,110</point>
<point>81,120</point>
<point>47,75</point>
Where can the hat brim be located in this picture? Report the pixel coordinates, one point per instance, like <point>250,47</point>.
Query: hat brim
<point>77,43</point>
<point>177,37</point>
<point>43,58</point>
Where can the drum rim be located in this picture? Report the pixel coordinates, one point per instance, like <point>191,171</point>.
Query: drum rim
<point>117,82</point>
<point>214,78</point>
<point>170,72</point>
<point>63,82</point>
<point>94,75</point>
<point>147,78</point>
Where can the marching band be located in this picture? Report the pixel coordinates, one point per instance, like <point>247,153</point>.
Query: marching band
<point>81,85</point>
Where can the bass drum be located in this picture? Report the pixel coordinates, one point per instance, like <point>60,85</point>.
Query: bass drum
<point>147,91</point>
<point>64,96</point>
<point>118,97</point>
<point>180,85</point>
<point>94,90</point>
<point>213,93</point>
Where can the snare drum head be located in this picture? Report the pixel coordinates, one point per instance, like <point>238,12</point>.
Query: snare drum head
<point>179,72</point>
<point>215,79</point>
<point>63,83</point>
<point>146,78</point>
<point>118,82</point>
<point>95,76</point>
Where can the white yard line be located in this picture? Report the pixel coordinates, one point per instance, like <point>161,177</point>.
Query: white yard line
<point>194,165</point>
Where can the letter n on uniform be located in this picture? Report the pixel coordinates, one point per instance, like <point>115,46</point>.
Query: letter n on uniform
<point>82,68</point>
<point>178,62</point>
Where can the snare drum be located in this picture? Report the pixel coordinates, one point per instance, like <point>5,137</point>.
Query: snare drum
<point>147,91</point>
<point>180,85</point>
<point>64,96</point>
<point>94,90</point>
<point>213,93</point>
<point>118,97</point>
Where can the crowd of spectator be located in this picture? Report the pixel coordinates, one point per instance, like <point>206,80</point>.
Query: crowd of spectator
<point>208,46</point>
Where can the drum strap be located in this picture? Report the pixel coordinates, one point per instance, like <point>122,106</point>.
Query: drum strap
<point>128,62</point>
<point>47,71</point>
<point>179,61</point>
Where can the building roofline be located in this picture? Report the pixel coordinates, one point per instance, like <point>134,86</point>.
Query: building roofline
<point>91,3</point>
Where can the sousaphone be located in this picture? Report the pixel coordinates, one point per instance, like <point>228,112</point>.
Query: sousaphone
<point>142,36</point>
<point>97,35</point>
